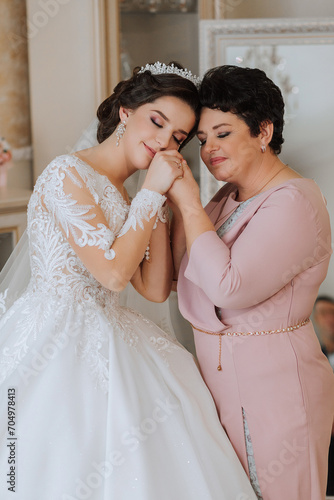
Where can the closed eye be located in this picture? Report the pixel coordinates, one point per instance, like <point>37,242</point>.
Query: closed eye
<point>156,123</point>
<point>220,136</point>
<point>178,141</point>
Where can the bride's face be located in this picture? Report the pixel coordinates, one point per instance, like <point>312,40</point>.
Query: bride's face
<point>157,126</point>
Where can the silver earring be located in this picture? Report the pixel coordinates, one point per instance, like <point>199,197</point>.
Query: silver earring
<point>120,131</point>
<point>263,148</point>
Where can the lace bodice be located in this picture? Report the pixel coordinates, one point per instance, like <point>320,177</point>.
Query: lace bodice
<point>74,216</point>
<point>72,202</point>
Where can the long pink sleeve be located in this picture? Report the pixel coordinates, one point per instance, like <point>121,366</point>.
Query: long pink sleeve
<point>283,238</point>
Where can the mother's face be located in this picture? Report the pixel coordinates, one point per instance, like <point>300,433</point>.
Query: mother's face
<point>227,147</point>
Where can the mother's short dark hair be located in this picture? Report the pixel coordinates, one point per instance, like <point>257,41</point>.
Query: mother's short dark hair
<point>143,88</point>
<point>247,93</point>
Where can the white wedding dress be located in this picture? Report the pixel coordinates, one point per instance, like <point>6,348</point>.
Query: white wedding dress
<point>97,402</point>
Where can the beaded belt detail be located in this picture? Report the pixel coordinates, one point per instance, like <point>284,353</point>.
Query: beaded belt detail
<point>247,334</point>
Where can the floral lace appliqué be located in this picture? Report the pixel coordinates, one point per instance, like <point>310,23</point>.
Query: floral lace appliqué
<point>229,223</point>
<point>250,458</point>
<point>61,287</point>
<point>3,302</point>
<point>163,346</point>
<point>144,206</point>
<point>165,343</point>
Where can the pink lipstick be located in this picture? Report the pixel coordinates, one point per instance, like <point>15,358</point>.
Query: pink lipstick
<point>217,159</point>
<point>150,151</point>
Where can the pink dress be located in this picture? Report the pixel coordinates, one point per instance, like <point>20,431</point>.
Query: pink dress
<point>263,275</point>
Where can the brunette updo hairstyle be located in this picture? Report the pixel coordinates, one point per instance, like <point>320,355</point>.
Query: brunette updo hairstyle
<point>143,88</point>
<point>247,93</point>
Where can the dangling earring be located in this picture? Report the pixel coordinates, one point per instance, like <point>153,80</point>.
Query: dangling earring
<point>263,148</point>
<point>120,131</point>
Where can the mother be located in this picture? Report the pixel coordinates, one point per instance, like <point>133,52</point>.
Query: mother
<point>256,257</point>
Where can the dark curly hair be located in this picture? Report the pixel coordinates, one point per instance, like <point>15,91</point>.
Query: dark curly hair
<point>247,93</point>
<point>143,88</point>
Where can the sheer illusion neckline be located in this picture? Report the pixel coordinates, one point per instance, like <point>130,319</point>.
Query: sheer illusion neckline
<point>105,177</point>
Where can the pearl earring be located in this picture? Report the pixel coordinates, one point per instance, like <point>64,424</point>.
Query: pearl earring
<point>120,131</point>
<point>263,148</point>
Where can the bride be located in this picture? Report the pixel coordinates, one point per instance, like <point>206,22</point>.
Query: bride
<point>98,402</point>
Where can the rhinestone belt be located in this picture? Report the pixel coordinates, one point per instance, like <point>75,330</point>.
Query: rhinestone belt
<point>246,334</point>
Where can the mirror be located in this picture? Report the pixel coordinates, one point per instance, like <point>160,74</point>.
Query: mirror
<point>298,55</point>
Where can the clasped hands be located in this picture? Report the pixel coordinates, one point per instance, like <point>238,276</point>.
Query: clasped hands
<point>170,175</point>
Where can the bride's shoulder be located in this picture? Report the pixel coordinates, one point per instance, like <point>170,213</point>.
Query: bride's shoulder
<point>61,167</point>
<point>62,162</point>
<point>67,164</point>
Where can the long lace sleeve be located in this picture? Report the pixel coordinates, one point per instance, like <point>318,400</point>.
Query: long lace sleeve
<point>145,205</point>
<point>92,216</point>
<point>80,222</point>
<point>87,220</point>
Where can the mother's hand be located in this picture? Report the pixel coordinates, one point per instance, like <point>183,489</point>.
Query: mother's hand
<point>185,191</point>
<point>165,167</point>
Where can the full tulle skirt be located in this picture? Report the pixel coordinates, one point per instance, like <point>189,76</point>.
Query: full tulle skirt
<point>101,409</point>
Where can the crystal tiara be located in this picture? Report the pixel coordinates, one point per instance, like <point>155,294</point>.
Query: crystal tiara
<point>159,68</point>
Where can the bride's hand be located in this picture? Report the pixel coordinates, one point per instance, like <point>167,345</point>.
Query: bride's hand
<point>164,169</point>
